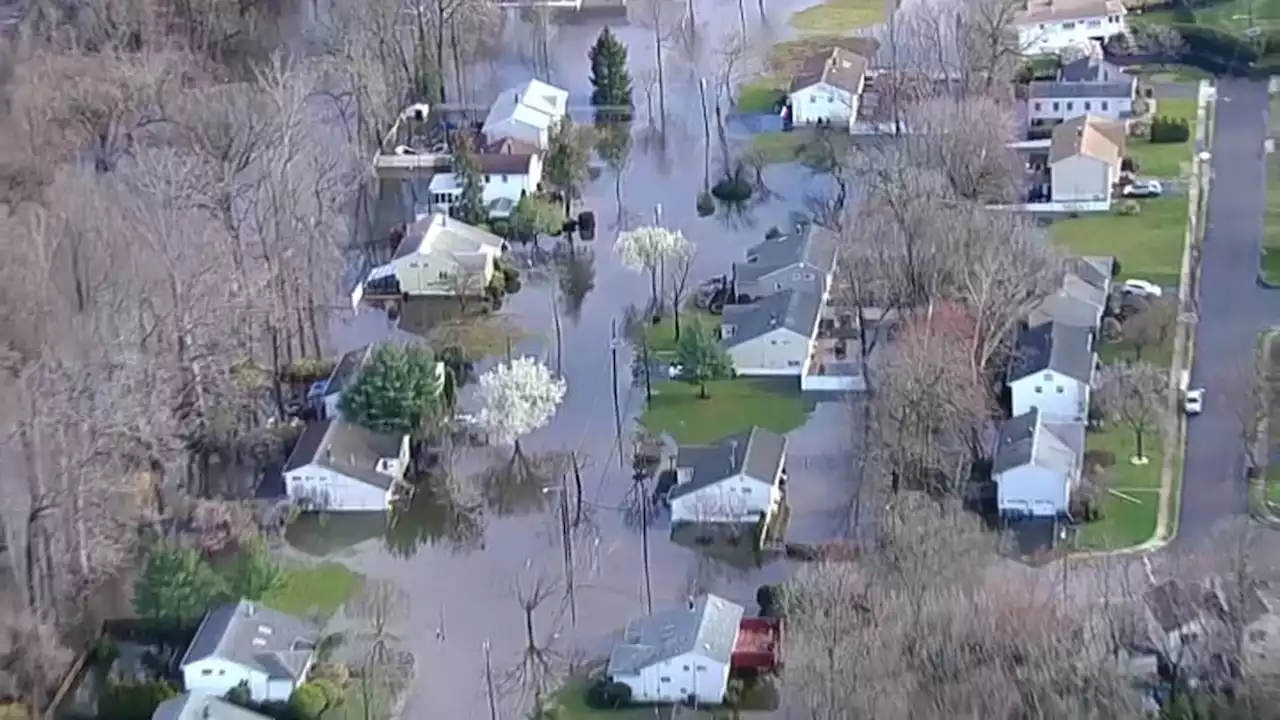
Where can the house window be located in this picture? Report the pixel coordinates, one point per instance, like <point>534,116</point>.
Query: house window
<point>1068,26</point>
<point>685,668</point>
<point>1086,106</point>
<point>778,286</point>
<point>1048,376</point>
<point>664,679</point>
<point>1060,390</point>
<point>1056,107</point>
<point>444,275</point>
<point>504,178</point>
<point>487,178</point>
<point>745,491</point>
<point>726,331</point>
<point>1095,23</point>
<point>1037,107</point>
<point>813,98</point>
<point>702,667</point>
<point>795,275</point>
<point>1104,104</point>
<point>413,265</point>
<point>793,363</point>
<point>1039,389</point>
<point>206,672</point>
<point>1070,107</point>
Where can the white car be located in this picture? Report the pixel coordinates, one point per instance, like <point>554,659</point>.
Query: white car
<point>1143,188</point>
<point>1193,401</point>
<point>1141,288</point>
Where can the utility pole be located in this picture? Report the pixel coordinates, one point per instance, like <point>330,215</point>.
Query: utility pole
<point>648,378</point>
<point>644,548</point>
<point>567,538</point>
<point>488,681</point>
<point>577,490</point>
<point>613,362</point>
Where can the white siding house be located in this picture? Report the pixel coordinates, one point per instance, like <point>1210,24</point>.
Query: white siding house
<point>674,656</point>
<point>1058,101</point>
<point>1036,465</point>
<point>1085,157</point>
<point>197,705</point>
<point>341,467</point>
<point>1053,372</point>
<point>828,88</point>
<point>439,256</point>
<point>508,177</point>
<point>1049,26</point>
<point>528,112</point>
<point>737,480</point>
<point>243,642</point>
<point>774,334</point>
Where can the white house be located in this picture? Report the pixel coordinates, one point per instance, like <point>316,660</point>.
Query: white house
<point>509,174</point>
<point>527,112</point>
<point>339,466</point>
<point>198,705</point>
<point>439,256</point>
<point>1085,158</point>
<point>1082,300</point>
<point>774,334</point>
<point>345,372</point>
<point>1057,101</point>
<point>1037,465</point>
<point>736,480</point>
<point>243,642</point>
<point>788,262</point>
<point>1092,68</point>
<point>1053,371</point>
<point>679,655</point>
<point>828,87</point>
<point>1049,26</point>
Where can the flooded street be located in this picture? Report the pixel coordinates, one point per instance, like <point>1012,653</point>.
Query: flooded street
<point>465,560</point>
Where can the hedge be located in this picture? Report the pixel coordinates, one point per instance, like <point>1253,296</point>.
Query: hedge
<point>1212,42</point>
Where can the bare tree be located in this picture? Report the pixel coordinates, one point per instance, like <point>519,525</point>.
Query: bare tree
<point>540,666</point>
<point>1151,327</point>
<point>1249,391</point>
<point>1134,394</point>
<point>663,19</point>
<point>967,142</point>
<point>677,268</point>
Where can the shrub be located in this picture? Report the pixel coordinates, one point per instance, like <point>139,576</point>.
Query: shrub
<point>1128,208</point>
<point>1111,330</point>
<point>501,228</point>
<point>331,691</point>
<point>240,695</point>
<point>706,204</point>
<point>104,652</point>
<point>732,190</point>
<point>606,695</point>
<point>1040,132</point>
<point>510,280</point>
<point>1130,165</point>
<point>134,700</point>
<point>1170,130</point>
<point>309,700</point>
<point>1211,43</point>
<point>335,673</point>
<point>1101,459</point>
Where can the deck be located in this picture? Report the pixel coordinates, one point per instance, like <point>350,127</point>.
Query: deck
<point>759,645</point>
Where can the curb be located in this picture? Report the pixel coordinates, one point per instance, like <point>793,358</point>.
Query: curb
<point>1262,276</point>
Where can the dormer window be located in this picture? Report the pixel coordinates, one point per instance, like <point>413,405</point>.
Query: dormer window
<point>726,331</point>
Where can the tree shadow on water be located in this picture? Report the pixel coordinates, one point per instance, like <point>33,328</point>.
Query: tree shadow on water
<point>518,484</point>
<point>435,516</point>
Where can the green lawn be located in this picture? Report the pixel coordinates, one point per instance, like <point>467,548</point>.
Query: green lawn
<point>1235,16</point>
<point>734,407</point>
<point>1148,245</point>
<point>1166,160</point>
<point>1271,354</point>
<point>1271,221</point>
<point>841,16</point>
<point>662,336</point>
<point>316,589</point>
<point>761,95</point>
<point>1160,356</point>
<point>570,703</point>
<point>1132,498</point>
<point>354,703</point>
<point>779,147</point>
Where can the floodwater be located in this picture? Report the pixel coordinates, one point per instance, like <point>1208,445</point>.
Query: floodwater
<point>471,543</point>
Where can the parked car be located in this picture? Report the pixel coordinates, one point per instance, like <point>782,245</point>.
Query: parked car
<point>1143,189</point>
<point>1141,288</point>
<point>1193,401</point>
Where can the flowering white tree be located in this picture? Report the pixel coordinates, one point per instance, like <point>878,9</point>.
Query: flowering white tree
<point>646,249</point>
<point>516,398</point>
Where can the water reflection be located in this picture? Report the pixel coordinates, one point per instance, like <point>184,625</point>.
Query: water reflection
<point>328,534</point>
<point>576,275</point>
<point>734,544</point>
<point>435,516</point>
<point>516,482</point>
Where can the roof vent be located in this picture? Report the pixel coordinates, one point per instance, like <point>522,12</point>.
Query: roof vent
<point>259,642</point>
<point>249,609</point>
<point>773,320</point>
<point>264,630</point>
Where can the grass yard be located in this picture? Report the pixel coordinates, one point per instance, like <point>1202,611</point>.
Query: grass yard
<point>841,16</point>
<point>779,147</point>
<point>316,589</point>
<point>1132,498</point>
<point>570,703</point>
<point>1235,16</point>
<point>1148,245</point>
<point>662,336</point>
<point>1166,160</point>
<point>734,407</point>
<point>761,95</point>
<point>1271,221</point>
<point>1161,356</point>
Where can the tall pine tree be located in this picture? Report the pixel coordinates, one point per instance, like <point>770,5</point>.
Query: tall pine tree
<point>469,208</point>
<point>609,74</point>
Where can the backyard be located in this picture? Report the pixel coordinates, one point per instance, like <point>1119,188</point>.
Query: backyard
<point>313,590</point>
<point>841,16</point>
<point>1166,160</point>
<point>1147,245</point>
<point>1130,497</point>
<point>1271,222</point>
<point>734,406</point>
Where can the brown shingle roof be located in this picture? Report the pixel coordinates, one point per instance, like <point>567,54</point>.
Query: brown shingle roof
<point>836,67</point>
<point>1088,135</point>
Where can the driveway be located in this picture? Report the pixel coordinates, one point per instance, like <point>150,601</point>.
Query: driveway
<point>1233,308</point>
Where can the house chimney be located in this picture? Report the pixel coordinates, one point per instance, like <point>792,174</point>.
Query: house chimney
<point>517,98</point>
<point>733,455</point>
<point>773,320</point>
<point>691,602</point>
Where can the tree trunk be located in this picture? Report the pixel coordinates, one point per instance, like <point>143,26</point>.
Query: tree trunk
<point>662,85</point>
<point>1137,437</point>
<point>653,288</point>
<point>742,17</point>
<point>702,391</point>
<point>675,314</point>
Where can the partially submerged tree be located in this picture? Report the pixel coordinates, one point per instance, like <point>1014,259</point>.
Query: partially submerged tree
<point>469,207</point>
<point>535,216</point>
<point>610,78</point>
<point>647,249</point>
<point>567,161</point>
<point>516,398</point>
<point>1135,394</point>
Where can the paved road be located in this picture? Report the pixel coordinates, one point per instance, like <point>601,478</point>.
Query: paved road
<point>1233,308</point>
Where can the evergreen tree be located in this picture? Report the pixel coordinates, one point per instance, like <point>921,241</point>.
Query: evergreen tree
<point>609,74</point>
<point>568,155</point>
<point>469,207</point>
<point>177,586</point>
<point>398,391</point>
<point>702,358</point>
<point>254,574</point>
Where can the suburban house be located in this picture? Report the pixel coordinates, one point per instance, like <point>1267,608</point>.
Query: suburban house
<point>198,705</point>
<point>828,87</point>
<point>773,335</point>
<point>326,395</point>
<point>243,642</point>
<point>1085,157</point>
<point>1092,68</point>
<point>339,466</point>
<point>1052,372</point>
<point>1048,26</point>
<point>1036,465</point>
<point>510,171</point>
<point>739,479</point>
<point>679,655</point>
<point>527,112</point>
<point>788,262</point>
<point>439,256</point>
<point>1082,300</point>
<point>1191,624</point>
<point>1049,102</point>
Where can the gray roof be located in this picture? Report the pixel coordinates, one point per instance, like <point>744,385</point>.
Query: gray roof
<point>796,310</point>
<point>250,635</point>
<point>451,235</point>
<point>347,369</point>
<point>1055,347</point>
<point>815,248</point>
<point>1029,440</point>
<point>709,628</point>
<point>198,705</point>
<point>345,448</point>
<point>1076,304</point>
<point>1046,90</point>
<point>1097,270</point>
<point>1087,69</point>
<point>758,454</point>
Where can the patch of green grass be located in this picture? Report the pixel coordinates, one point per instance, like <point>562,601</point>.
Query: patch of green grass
<point>734,407</point>
<point>1166,160</point>
<point>1271,357</point>
<point>1271,220</point>
<point>662,336</point>
<point>779,147</point>
<point>1131,500</point>
<point>1161,356</point>
<point>570,703</point>
<point>761,95</point>
<point>313,590</point>
<point>357,704</point>
<point>841,16</point>
<point>1148,245</point>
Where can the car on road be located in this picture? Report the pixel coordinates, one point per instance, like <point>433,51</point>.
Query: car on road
<point>1193,401</point>
<point>1141,288</point>
<point>1143,189</point>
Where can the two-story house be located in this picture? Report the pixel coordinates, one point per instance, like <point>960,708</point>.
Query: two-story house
<point>1051,102</point>
<point>243,642</point>
<point>528,112</point>
<point>737,480</point>
<point>828,88</point>
<point>1049,26</point>
<point>1052,372</point>
<point>773,335</point>
<point>788,262</point>
<point>1082,300</point>
<point>439,256</point>
<point>1036,466</point>
<point>339,466</point>
<point>510,169</point>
